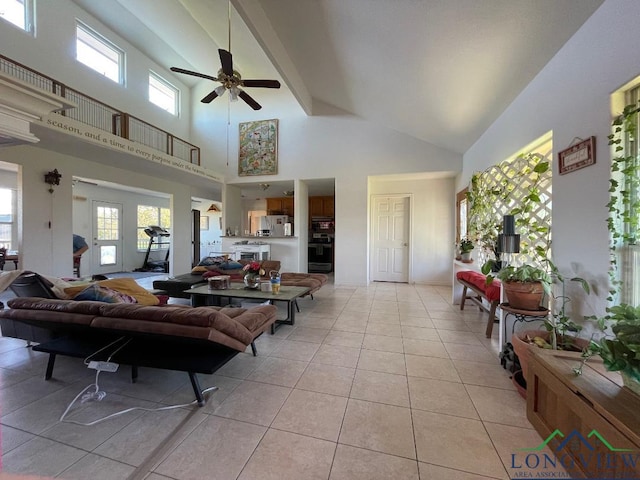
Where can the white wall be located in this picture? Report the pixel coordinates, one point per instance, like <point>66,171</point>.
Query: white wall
<point>52,52</point>
<point>46,247</point>
<point>329,144</point>
<point>432,215</point>
<point>571,97</point>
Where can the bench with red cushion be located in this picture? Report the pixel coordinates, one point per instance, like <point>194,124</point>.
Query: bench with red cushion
<point>477,282</point>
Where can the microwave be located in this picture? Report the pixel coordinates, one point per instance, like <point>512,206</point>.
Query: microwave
<point>322,224</point>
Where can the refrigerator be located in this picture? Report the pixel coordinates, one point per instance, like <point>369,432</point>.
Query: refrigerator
<point>274,224</point>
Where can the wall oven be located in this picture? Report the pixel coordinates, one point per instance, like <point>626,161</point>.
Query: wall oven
<point>320,253</point>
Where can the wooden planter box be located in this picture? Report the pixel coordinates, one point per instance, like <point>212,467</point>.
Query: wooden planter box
<point>557,399</point>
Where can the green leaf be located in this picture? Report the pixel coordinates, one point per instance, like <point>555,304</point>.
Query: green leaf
<point>541,167</point>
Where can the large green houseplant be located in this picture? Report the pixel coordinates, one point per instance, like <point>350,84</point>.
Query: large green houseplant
<point>619,348</point>
<point>524,286</point>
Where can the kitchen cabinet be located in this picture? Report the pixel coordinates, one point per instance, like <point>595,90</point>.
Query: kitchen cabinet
<point>321,207</point>
<point>280,206</point>
<point>585,409</point>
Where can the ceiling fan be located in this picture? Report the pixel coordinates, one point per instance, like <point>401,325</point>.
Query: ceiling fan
<point>230,80</point>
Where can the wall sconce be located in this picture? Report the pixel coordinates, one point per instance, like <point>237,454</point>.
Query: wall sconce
<point>264,186</point>
<point>52,178</point>
<point>214,208</point>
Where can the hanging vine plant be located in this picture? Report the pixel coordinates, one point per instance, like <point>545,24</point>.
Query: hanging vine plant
<point>520,188</point>
<point>624,192</point>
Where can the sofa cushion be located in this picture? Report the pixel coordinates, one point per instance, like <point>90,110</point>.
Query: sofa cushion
<point>233,327</point>
<point>313,281</point>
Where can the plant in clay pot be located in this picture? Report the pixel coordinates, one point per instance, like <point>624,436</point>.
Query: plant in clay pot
<point>620,350</point>
<point>524,286</point>
<point>559,331</point>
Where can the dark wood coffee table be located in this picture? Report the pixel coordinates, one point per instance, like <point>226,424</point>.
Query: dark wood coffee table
<point>201,295</point>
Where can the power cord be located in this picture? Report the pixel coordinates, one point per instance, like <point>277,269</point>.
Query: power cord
<point>98,395</point>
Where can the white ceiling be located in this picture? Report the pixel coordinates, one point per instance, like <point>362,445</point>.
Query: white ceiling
<point>437,70</point>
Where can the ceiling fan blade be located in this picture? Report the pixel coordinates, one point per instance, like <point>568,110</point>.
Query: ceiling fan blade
<point>261,83</point>
<point>250,101</point>
<point>195,74</point>
<point>226,60</point>
<point>209,98</point>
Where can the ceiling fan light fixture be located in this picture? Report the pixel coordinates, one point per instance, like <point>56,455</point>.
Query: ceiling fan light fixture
<point>233,93</point>
<point>220,90</point>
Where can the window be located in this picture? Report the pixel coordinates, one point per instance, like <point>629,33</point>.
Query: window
<point>461,214</point>
<point>7,216</point>
<point>18,12</point>
<point>98,53</point>
<point>163,94</point>
<point>627,246</point>
<point>147,216</point>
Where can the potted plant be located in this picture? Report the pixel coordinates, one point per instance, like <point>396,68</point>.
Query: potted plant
<point>559,329</point>
<point>524,286</point>
<point>619,350</point>
<point>466,246</point>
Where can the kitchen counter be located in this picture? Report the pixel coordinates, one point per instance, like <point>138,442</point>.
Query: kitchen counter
<point>253,238</point>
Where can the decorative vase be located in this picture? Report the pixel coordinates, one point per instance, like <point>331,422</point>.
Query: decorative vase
<point>252,281</point>
<point>631,383</point>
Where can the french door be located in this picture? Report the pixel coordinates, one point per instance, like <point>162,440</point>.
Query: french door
<point>106,247</point>
<point>390,239</point>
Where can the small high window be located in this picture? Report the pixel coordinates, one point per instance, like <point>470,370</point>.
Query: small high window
<point>98,53</point>
<point>18,12</point>
<point>163,94</point>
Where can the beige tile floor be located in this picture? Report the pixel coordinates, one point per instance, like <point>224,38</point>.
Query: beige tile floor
<point>385,382</point>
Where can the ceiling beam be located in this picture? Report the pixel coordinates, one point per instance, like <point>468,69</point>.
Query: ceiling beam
<point>258,24</point>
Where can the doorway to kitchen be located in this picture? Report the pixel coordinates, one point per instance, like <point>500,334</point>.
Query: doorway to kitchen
<point>390,249</point>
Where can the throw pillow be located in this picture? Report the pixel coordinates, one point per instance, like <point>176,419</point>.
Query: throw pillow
<point>230,265</point>
<point>99,293</point>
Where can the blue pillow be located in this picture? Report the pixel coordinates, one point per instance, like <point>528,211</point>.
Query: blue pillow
<point>211,261</point>
<point>99,293</point>
<point>230,265</point>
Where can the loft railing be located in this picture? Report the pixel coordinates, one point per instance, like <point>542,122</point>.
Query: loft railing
<point>104,117</point>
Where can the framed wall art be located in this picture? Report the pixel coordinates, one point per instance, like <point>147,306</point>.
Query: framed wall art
<point>258,148</point>
<point>204,223</point>
<point>578,155</point>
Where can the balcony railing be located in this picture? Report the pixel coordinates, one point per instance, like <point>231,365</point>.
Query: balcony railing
<point>103,117</point>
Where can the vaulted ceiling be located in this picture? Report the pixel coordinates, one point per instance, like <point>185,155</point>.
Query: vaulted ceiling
<point>438,70</point>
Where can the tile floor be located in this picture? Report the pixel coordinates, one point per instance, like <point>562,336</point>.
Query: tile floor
<point>385,382</point>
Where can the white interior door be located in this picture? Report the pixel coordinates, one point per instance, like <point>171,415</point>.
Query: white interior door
<point>390,246</point>
<point>106,247</point>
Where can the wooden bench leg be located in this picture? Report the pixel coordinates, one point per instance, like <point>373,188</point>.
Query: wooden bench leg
<point>464,297</point>
<point>492,314</point>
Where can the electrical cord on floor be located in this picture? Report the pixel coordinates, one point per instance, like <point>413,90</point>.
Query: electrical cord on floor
<point>122,412</point>
<point>98,395</point>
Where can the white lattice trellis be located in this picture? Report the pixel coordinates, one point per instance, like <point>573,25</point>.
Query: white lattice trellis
<point>520,187</point>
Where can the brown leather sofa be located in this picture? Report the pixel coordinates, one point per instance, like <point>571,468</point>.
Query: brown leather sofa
<point>176,286</point>
<point>174,337</point>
